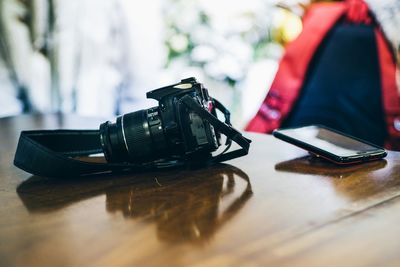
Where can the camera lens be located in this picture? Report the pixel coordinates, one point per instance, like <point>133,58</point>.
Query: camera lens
<point>134,137</point>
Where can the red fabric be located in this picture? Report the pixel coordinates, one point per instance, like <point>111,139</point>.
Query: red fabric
<point>391,98</point>
<point>285,89</point>
<point>357,12</point>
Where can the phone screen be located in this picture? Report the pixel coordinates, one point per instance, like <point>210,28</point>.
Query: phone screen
<point>330,141</point>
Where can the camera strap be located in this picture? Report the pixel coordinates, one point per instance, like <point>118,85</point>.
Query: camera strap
<point>52,153</point>
<point>55,153</point>
<point>224,128</point>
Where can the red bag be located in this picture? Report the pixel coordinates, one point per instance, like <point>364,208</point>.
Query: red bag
<point>288,82</point>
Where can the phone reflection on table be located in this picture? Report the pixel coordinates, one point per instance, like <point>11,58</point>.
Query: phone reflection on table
<point>314,165</point>
<point>191,209</point>
<point>356,181</point>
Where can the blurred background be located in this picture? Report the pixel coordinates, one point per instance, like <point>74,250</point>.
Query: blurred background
<point>100,57</point>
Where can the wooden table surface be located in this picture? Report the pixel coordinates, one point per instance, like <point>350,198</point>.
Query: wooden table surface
<point>275,207</point>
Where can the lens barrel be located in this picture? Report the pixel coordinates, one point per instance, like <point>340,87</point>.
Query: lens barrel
<point>135,137</point>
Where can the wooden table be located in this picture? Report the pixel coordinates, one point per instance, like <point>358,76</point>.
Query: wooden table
<point>275,207</point>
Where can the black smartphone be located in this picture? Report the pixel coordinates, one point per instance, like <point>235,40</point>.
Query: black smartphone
<point>330,144</point>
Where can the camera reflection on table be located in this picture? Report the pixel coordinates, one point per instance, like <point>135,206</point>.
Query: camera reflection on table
<point>186,206</point>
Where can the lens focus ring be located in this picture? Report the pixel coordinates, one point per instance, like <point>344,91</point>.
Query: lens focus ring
<point>137,135</point>
<point>134,137</point>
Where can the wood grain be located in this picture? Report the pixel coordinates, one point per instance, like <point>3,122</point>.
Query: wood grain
<point>369,238</point>
<point>275,207</point>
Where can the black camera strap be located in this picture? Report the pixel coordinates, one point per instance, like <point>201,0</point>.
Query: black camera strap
<point>222,127</point>
<point>55,153</point>
<point>51,153</point>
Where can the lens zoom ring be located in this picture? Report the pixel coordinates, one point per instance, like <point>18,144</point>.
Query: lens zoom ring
<point>137,134</point>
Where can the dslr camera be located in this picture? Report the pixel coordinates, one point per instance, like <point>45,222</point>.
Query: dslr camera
<point>182,129</point>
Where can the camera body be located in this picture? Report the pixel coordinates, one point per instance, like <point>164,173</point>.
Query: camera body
<point>169,131</point>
